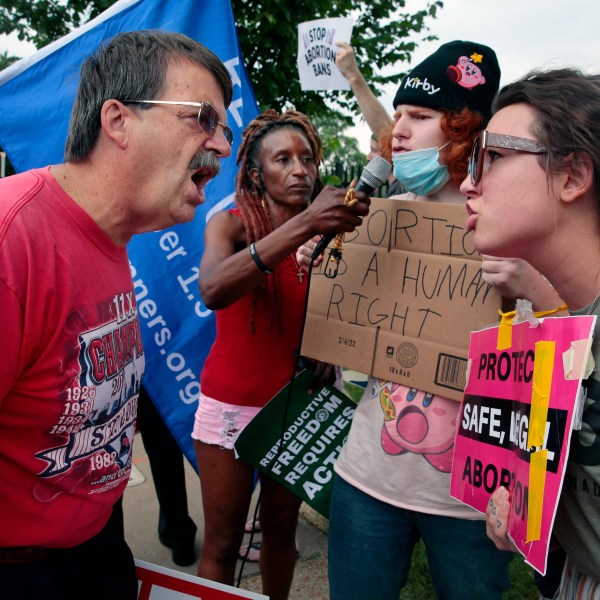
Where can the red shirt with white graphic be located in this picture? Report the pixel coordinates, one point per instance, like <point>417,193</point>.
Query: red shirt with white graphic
<point>72,360</point>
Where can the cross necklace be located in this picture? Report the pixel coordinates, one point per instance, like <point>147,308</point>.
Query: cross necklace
<point>299,271</point>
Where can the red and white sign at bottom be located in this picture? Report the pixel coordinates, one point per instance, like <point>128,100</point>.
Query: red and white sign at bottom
<point>160,583</point>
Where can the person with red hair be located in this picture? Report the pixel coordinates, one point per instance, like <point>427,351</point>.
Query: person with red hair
<point>385,497</point>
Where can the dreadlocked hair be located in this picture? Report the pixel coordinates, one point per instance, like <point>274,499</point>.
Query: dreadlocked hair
<point>249,197</point>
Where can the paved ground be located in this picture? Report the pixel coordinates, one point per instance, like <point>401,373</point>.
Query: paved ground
<point>141,519</point>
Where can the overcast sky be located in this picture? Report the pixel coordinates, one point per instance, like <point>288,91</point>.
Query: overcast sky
<point>524,34</point>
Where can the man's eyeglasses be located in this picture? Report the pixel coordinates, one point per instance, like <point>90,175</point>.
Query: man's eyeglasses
<point>208,118</point>
<point>497,140</point>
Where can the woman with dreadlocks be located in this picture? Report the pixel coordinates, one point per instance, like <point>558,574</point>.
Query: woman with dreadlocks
<point>249,274</point>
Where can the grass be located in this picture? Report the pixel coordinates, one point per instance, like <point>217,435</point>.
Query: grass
<point>521,579</point>
<point>419,586</point>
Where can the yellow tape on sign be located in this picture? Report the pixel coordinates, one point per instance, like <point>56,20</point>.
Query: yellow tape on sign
<point>543,368</point>
<point>540,398</point>
<point>537,484</point>
<point>505,330</point>
<point>506,323</point>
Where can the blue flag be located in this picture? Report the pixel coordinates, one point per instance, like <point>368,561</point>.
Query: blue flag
<point>36,96</point>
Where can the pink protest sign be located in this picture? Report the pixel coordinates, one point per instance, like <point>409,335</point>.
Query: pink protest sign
<point>515,423</point>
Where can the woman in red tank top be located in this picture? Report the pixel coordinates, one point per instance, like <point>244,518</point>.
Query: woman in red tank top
<point>250,276</point>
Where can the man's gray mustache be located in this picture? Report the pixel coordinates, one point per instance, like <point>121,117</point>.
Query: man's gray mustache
<point>206,160</point>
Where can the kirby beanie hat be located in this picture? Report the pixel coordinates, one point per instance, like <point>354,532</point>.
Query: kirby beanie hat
<point>457,75</point>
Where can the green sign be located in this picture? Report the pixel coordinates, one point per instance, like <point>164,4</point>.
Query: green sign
<point>298,447</point>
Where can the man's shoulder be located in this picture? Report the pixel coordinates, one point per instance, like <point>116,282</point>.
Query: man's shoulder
<point>17,195</point>
<point>15,188</point>
<point>24,179</point>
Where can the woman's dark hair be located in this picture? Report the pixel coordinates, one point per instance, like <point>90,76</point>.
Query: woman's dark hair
<point>567,106</point>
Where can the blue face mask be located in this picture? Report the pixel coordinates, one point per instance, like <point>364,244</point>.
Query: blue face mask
<point>419,171</point>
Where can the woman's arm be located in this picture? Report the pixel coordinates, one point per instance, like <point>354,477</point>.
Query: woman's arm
<point>228,271</point>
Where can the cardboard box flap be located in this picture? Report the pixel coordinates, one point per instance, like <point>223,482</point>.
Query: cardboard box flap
<point>443,367</point>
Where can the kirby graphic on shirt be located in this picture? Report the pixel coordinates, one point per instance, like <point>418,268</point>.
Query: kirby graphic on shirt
<point>466,73</point>
<point>418,422</point>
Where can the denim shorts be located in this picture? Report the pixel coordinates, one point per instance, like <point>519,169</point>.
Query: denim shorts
<point>219,423</point>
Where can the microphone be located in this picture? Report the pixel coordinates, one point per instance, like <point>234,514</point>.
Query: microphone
<point>373,175</point>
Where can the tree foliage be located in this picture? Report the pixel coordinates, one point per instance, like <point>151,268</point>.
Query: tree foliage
<point>6,60</point>
<point>43,21</point>
<point>340,152</point>
<point>384,35</point>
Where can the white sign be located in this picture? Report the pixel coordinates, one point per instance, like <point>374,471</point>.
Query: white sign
<point>317,51</point>
<point>160,583</point>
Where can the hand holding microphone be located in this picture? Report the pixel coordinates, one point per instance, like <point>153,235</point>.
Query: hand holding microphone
<point>335,254</point>
<point>373,175</point>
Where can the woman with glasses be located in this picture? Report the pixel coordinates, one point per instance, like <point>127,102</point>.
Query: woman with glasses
<point>250,276</point>
<point>534,192</point>
<point>386,498</point>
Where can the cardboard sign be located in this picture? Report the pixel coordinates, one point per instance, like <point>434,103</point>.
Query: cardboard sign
<point>160,583</point>
<point>317,51</point>
<point>516,421</point>
<point>409,291</point>
<point>313,428</point>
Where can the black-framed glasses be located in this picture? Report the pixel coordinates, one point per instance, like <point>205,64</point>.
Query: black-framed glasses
<point>208,117</point>
<point>487,140</point>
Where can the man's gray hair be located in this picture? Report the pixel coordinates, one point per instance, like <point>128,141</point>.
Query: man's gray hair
<point>132,66</point>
